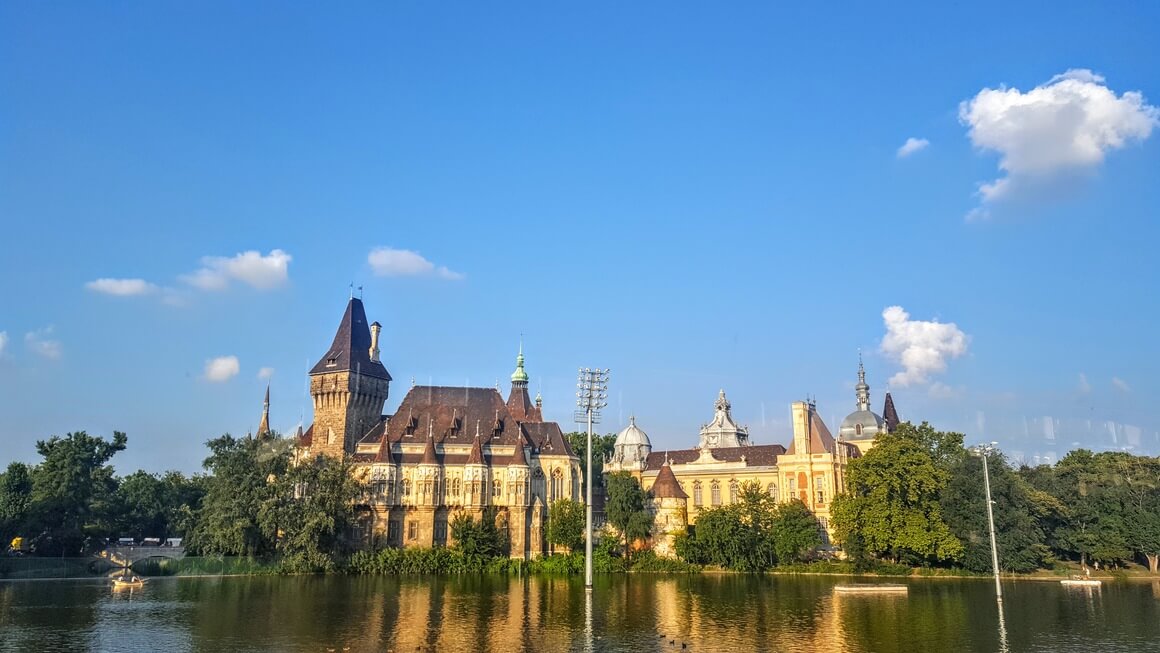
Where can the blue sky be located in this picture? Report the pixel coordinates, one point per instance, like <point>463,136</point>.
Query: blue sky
<point>696,197</point>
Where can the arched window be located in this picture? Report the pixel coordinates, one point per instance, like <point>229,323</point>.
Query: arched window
<point>733,491</point>
<point>857,429</point>
<point>456,491</point>
<point>696,493</point>
<point>715,493</point>
<point>496,488</point>
<point>538,483</point>
<point>407,488</point>
<point>773,490</point>
<point>557,484</point>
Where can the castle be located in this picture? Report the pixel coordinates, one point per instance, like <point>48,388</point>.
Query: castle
<point>452,450</point>
<point>444,451</point>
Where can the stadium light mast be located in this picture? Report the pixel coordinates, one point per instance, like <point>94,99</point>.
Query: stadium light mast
<point>591,396</point>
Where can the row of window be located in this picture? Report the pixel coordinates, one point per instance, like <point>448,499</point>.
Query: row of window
<point>453,489</point>
<point>734,490</point>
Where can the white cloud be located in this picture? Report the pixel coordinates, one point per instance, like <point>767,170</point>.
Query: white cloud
<point>911,146</point>
<point>266,373</point>
<point>940,390</point>
<point>41,344</point>
<point>390,262</point>
<point>1065,126</point>
<point>250,267</point>
<point>1084,386</point>
<point>921,347</point>
<point>1121,384</point>
<point>122,287</point>
<point>3,341</point>
<point>222,368</point>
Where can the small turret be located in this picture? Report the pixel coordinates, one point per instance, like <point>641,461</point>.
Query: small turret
<point>264,424</point>
<point>374,351</point>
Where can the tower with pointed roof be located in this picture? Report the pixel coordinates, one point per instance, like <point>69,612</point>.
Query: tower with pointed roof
<point>670,511</point>
<point>349,385</point>
<point>863,425</point>
<point>889,414</point>
<point>519,404</point>
<point>264,424</point>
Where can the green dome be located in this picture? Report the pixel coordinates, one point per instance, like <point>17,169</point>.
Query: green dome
<point>520,376</point>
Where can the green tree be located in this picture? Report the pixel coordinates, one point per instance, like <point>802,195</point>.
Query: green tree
<point>891,503</point>
<point>72,501</point>
<point>602,446</point>
<point>242,496</point>
<point>313,513</point>
<point>144,506</point>
<point>479,538</point>
<point>1020,535</point>
<point>15,500</point>
<point>795,532</point>
<point>626,508</point>
<point>566,521</point>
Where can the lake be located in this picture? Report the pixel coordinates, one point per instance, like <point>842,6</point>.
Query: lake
<point>638,613</point>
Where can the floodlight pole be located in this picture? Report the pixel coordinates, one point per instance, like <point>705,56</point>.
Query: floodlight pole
<point>591,396</point>
<point>983,451</point>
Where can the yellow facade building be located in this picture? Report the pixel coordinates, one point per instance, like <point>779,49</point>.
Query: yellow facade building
<point>444,450</point>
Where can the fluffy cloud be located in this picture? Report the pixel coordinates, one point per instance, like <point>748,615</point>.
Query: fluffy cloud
<point>1121,384</point>
<point>221,369</point>
<point>3,341</point>
<point>251,268</point>
<point>922,348</point>
<point>1065,126</point>
<point>911,146</point>
<point>122,287</point>
<point>40,343</point>
<point>266,373</point>
<point>390,262</point>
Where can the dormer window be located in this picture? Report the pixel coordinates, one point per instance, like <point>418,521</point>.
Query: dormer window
<point>332,361</point>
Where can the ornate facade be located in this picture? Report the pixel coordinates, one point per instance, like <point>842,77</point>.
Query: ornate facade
<point>685,481</point>
<point>444,451</point>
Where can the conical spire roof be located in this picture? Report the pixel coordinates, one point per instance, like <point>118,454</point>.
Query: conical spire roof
<point>351,349</point>
<point>520,376</point>
<point>429,451</point>
<point>889,414</point>
<point>518,456</point>
<point>264,425</point>
<point>476,455</point>
<point>666,485</point>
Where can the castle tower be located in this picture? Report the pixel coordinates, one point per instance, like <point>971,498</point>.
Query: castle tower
<point>517,479</point>
<point>519,404</point>
<point>349,385</point>
<point>889,414</point>
<point>670,511</point>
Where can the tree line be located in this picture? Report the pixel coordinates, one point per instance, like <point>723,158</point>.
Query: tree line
<point>917,498</point>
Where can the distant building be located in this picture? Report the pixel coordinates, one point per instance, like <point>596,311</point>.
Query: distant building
<point>812,470</point>
<point>444,451</point>
<point>863,425</point>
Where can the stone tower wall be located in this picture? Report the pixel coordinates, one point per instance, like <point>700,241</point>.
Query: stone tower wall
<point>346,406</point>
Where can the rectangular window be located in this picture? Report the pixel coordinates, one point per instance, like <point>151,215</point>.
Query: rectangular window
<point>791,483</point>
<point>715,491</point>
<point>393,532</point>
<point>820,488</point>
<point>412,530</point>
<point>696,494</point>
<point>440,533</point>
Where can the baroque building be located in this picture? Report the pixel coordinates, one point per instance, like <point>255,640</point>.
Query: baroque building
<point>811,470</point>
<point>444,450</point>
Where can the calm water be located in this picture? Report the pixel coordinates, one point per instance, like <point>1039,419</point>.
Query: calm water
<point>635,613</point>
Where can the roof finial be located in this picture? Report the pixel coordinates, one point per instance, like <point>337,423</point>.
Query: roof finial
<point>352,290</point>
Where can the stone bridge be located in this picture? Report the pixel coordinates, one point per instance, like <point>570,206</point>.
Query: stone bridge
<point>125,556</point>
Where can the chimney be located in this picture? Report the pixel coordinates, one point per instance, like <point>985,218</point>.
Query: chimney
<point>374,352</point>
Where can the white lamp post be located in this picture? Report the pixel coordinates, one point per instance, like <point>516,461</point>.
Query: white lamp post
<point>984,450</point>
